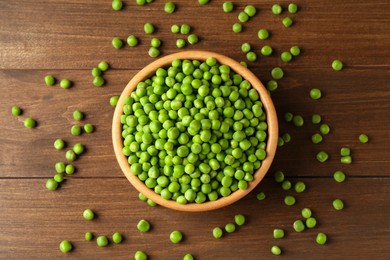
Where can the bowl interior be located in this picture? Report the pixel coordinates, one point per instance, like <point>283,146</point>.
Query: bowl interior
<point>272,133</point>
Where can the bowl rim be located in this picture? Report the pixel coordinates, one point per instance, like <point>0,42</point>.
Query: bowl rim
<point>271,118</point>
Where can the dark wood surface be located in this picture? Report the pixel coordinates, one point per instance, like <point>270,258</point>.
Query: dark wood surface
<point>68,38</point>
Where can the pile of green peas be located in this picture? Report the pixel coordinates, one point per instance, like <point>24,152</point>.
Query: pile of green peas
<point>194,132</point>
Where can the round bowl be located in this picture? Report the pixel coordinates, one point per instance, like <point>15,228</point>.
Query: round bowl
<point>272,137</point>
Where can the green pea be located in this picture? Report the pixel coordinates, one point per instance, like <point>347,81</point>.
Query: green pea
<point>243,17</point>
<point>88,128</point>
<point>70,155</point>
<point>176,236</point>
<point>103,66</point>
<point>16,111</point>
<point>169,7</point>
<point>192,39</point>
<point>289,200</point>
<point>266,50</point>
<point>311,222</point>
<point>65,83</point>
<point>237,27</point>
<point>117,43</point>
<point>324,129</point>
<point>286,56</point>
<point>117,238</point>
<point>279,176</point>
<point>263,34</point>
<point>69,169</point>
<point>149,28</point>
<point>188,257</point>
<point>260,196</point>
<point>277,73</point>
<point>277,9</point>
<point>316,119</point>
<point>299,226</point>
<point>139,255</point>
<point>30,123</point>
<point>78,115</point>
<point>321,238</point>
<point>143,226</point>
<point>278,233</point>
<point>49,80</point>
<point>185,29</point>
<point>228,7</point>
<point>132,41</point>
<point>250,10</point>
<point>338,204</point>
<point>102,241</point>
<point>287,22</point>
<point>88,214</point>
<point>306,213</point>
<point>217,232</point>
<point>288,117</point>
<point>203,2</point>
<point>117,5</point>
<point>322,156</point>
<point>75,130</point>
<point>65,246</point>
<point>295,50</point>
<point>315,93</point>
<point>239,219</point>
<point>337,65</point>
<point>345,151</point>
<point>59,144</point>
<point>154,52</point>
<point>300,186</point>
<point>98,81</point>
<point>251,56</point>
<point>298,120</point>
<point>276,250</point>
<point>88,236</point>
<point>230,228</point>
<point>363,138</point>
<point>58,177</point>
<point>114,100</point>
<point>175,28</point>
<point>292,8</point>
<point>51,184</point>
<point>180,43</point>
<point>286,185</point>
<point>316,138</point>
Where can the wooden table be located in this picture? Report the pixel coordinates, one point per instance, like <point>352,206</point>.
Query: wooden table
<point>67,38</point>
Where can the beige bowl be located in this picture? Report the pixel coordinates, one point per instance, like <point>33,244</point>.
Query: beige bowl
<point>272,138</point>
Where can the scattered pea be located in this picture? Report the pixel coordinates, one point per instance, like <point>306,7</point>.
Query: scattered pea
<point>260,196</point>
<point>65,83</point>
<point>266,50</point>
<point>279,176</point>
<point>50,80</point>
<point>338,204</point>
<point>30,123</point>
<point>295,50</point>
<point>286,56</point>
<point>185,29</point>
<point>322,156</point>
<point>311,222</point>
<point>88,128</point>
<point>98,81</point>
<point>288,117</point>
<point>78,115</point>
<point>324,129</point>
<point>88,236</point>
<point>59,167</point>
<point>346,159</point>
<point>287,22</point>
<point>289,200</point>
<point>298,120</point>
<point>154,52</point>
<point>230,228</point>
<point>292,8</point>
<point>192,39</point>
<point>75,130</point>
<point>316,119</point>
<point>286,185</point>
<point>277,9</point>
<point>276,250</point>
<point>102,241</point>
<point>143,226</point>
<point>263,34</point>
<point>243,17</point>
<point>277,73</point>
<point>132,41</point>
<point>70,155</point>
<point>316,138</point>
<point>306,213</point>
<point>180,43</point>
<point>103,66</point>
<point>117,5</point>
<point>58,177</point>
<point>188,257</point>
<point>237,27</point>
<point>139,255</point>
<point>251,56</point>
<point>299,226</point>
<point>88,214</point>
<point>321,238</point>
<point>337,65</point>
<point>149,28</point>
<point>176,236</point>
<point>114,100</point>
<point>65,246</point>
<point>69,169</point>
<point>239,219</point>
<point>117,43</point>
<point>117,238</point>
<point>169,7</point>
<point>51,184</point>
<point>245,47</point>
<point>228,7</point>
<point>363,138</point>
<point>217,232</point>
<point>203,2</point>
<point>272,85</point>
<point>250,10</point>
<point>300,186</point>
<point>278,233</point>
<point>175,28</point>
<point>315,93</point>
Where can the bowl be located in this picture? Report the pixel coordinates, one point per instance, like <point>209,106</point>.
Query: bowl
<point>272,137</point>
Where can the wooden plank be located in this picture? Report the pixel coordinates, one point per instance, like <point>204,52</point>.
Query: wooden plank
<point>34,220</point>
<point>29,153</point>
<point>37,34</point>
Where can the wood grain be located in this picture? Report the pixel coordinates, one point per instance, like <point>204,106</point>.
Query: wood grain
<point>59,215</point>
<point>66,38</point>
